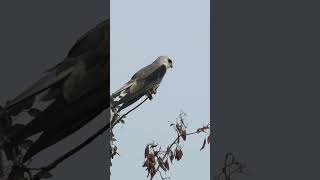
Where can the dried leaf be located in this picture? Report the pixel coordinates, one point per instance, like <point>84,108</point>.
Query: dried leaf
<point>152,158</point>
<point>183,134</point>
<point>209,139</point>
<point>161,164</point>
<point>203,145</point>
<point>146,151</point>
<point>178,154</point>
<point>166,164</point>
<point>153,172</point>
<point>171,156</point>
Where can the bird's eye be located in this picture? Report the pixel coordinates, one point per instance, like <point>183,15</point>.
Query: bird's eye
<point>170,61</point>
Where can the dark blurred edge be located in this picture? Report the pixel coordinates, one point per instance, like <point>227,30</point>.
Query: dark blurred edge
<point>265,90</point>
<point>108,116</point>
<point>22,21</point>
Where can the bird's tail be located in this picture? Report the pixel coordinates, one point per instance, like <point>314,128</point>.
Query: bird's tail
<point>117,97</point>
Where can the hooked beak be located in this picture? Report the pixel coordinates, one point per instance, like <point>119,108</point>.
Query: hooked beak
<point>171,63</point>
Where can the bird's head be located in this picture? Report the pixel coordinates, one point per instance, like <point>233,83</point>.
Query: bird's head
<point>165,60</point>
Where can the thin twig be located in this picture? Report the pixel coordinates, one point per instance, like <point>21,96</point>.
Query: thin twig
<point>230,168</point>
<point>124,115</point>
<point>163,178</point>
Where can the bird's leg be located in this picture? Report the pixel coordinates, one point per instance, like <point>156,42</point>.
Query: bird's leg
<point>151,92</point>
<point>154,90</point>
<point>149,95</point>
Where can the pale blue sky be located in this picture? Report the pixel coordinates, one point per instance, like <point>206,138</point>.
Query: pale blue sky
<point>141,30</point>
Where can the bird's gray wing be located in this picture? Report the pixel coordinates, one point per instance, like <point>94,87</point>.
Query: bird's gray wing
<point>146,71</point>
<point>41,85</point>
<point>144,79</point>
<point>148,76</point>
<point>138,76</point>
<point>141,74</point>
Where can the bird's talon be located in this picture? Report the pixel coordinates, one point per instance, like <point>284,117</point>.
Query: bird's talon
<point>150,97</point>
<point>153,91</point>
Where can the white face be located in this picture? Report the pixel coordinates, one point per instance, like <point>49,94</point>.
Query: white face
<point>166,61</point>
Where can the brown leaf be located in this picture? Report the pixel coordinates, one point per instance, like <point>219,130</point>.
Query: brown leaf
<point>203,145</point>
<point>183,134</point>
<point>178,154</point>
<point>161,164</point>
<point>166,164</point>
<point>152,172</point>
<point>151,158</point>
<point>146,151</point>
<point>209,139</point>
<point>171,155</point>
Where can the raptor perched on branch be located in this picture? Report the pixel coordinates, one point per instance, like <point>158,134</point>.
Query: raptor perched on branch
<point>144,82</point>
<point>78,88</point>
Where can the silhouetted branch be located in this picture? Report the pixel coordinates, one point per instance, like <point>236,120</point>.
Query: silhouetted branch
<point>73,151</point>
<point>230,168</point>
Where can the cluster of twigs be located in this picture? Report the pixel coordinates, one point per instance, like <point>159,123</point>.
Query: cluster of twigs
<point>231,168</point>
<point>157,160</point>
